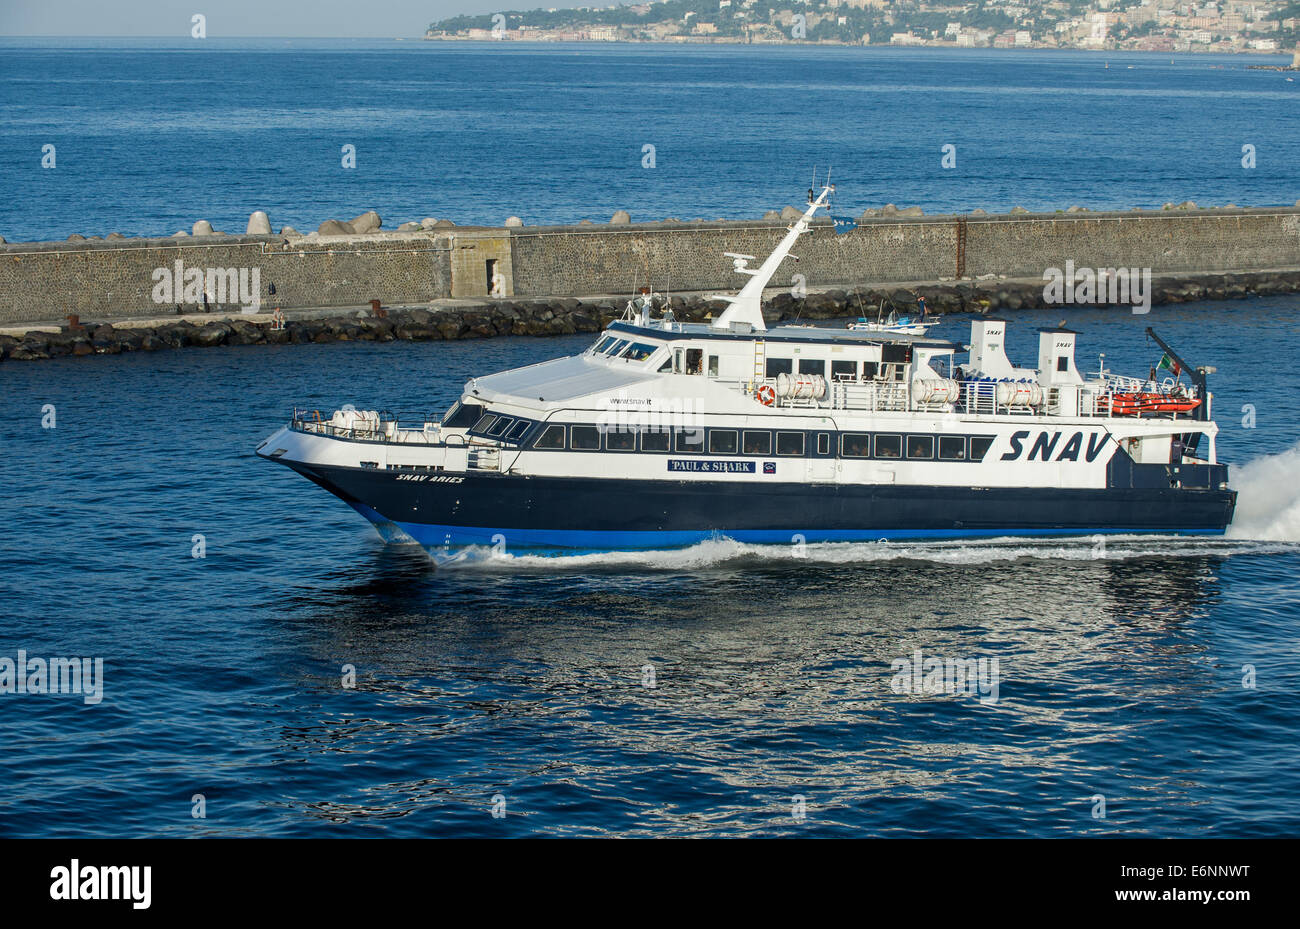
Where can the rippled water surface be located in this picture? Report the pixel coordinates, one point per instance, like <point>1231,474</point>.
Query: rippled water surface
<point>153,135</point>
<point>1121,669</point>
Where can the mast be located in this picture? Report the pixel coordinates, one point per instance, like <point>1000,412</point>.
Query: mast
<point>746,306</point>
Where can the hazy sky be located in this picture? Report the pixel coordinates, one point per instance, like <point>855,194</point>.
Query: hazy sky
<point>360,18</point>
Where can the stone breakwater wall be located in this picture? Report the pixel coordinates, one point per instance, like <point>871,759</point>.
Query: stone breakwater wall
<point>117,279</point>
<point>566,316</point>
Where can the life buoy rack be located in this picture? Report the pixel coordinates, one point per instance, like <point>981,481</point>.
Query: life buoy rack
<point>767,395</point>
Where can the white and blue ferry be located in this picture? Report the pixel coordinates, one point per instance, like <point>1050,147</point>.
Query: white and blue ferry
<point>665,433</point>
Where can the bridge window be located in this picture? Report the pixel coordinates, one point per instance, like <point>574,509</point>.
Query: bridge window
<point>584,438</point>
<point>920,446</point>
<point>639,351</point>
<point>758,443</point>
<point>617,347</point>
<point>722,441</point>
<point>789,443</point>
<point>517,430</point>
<point>695,361</point>
<point>499,426</point>
<point>889,446</point>
<point>603,344</point>
<point>484,424</point>
<point>462,416</point>
<point>952,447</point>
<point>551,437</point>
<point>856,445</point>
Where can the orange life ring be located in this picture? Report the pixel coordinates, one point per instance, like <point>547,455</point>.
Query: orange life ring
<point>767,395</point>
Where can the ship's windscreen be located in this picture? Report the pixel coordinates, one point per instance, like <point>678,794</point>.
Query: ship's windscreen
<point>462,415</point>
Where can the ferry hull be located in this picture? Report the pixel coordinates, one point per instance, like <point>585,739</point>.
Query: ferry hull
<point>610,514</point>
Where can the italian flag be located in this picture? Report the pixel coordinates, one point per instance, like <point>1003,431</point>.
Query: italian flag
<point>1170,365</point>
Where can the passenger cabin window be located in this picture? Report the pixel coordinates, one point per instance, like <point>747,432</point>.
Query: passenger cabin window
<point>620,440</point>
<point>551,437</point>
<point>654,440</point>
<point>952,447</point>
<point>722,442</point>
<point>844,370</point>
<point>823,443</point>
<point>812,366</point>
<point>757,443</point>
<point>920,446</point>
<point>584,438</point>
<point>889,446</point>
<point>789,443</point>
<point>689,440</point>
<point>979,446</point>
<point>870,369</point>
<point>777,366</point>
<point>856,445</point>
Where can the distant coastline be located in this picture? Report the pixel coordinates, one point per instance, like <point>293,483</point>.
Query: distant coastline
<point>801,43</point>
<point>1162,26</point>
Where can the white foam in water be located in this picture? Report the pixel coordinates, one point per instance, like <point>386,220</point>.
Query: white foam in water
<point>719,552</point>
<point>1268,498</point>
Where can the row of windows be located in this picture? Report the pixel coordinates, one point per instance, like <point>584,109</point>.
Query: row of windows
<point>922,447</point>
<point>915,447</point>
<point>841,370</point>
<point>625,348</point>
<point>505,428</point>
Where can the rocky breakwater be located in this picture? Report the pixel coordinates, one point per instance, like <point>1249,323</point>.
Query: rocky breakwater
<point>416,325</point>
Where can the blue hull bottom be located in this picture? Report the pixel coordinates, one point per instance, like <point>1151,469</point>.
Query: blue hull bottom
<point>436,536</point>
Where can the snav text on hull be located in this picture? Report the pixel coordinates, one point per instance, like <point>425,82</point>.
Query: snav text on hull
<point>666,433</point>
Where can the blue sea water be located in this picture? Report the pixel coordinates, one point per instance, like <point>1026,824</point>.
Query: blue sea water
<point>524,677</point>
<point>520,680</point>
<point>152,135</point>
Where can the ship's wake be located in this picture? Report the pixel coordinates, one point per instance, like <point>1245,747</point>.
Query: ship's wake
<point>728,553</point>
<point>1268,498</point>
